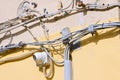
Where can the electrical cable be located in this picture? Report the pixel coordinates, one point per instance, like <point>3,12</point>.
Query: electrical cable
<point>55,61</point>
<point>11,36</point>
<point>45,30</point>
<point>17,58</point>
<point>47,75</point>
<point>20,7</point>
<point>31,33</point>
<point>71,3</point>
<point>89,7</point>
<point>80,35</point>
<point>4,36</point>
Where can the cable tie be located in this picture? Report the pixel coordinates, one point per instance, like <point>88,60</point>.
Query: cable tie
<point>91,29</point>
<point>21,44</point>
<point>103,26</point>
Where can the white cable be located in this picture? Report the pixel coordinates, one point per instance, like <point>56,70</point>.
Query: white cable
<point>23,7</point>
<point>55,61</point>
<point>71,3</point>
<point>47,75</point>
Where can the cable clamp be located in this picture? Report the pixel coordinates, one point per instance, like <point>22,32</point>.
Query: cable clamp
<point>91,29</point>
<point>66,35</point>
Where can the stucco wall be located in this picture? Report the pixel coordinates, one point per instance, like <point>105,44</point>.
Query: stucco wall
<point>98,57</point>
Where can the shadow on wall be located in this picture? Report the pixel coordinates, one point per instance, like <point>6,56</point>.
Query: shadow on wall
<point>18,33</point>
<point>26,52</point>
<point>109,34</point>
<point>53,20</point>
<point>96,38</point>
<point>85,13</point>
<point>52,74</point>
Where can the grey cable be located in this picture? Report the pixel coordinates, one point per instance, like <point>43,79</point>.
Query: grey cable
<point>31,34</point>
<point>79,33</point>
<point>88,8</point>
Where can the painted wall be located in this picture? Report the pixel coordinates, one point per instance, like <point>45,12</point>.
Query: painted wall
<point>98,58</point>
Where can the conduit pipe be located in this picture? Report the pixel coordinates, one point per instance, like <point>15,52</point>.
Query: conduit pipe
<point>67,64</point>
<point>66,36</point>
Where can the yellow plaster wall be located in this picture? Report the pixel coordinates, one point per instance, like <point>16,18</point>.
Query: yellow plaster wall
<point>97,59</point>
